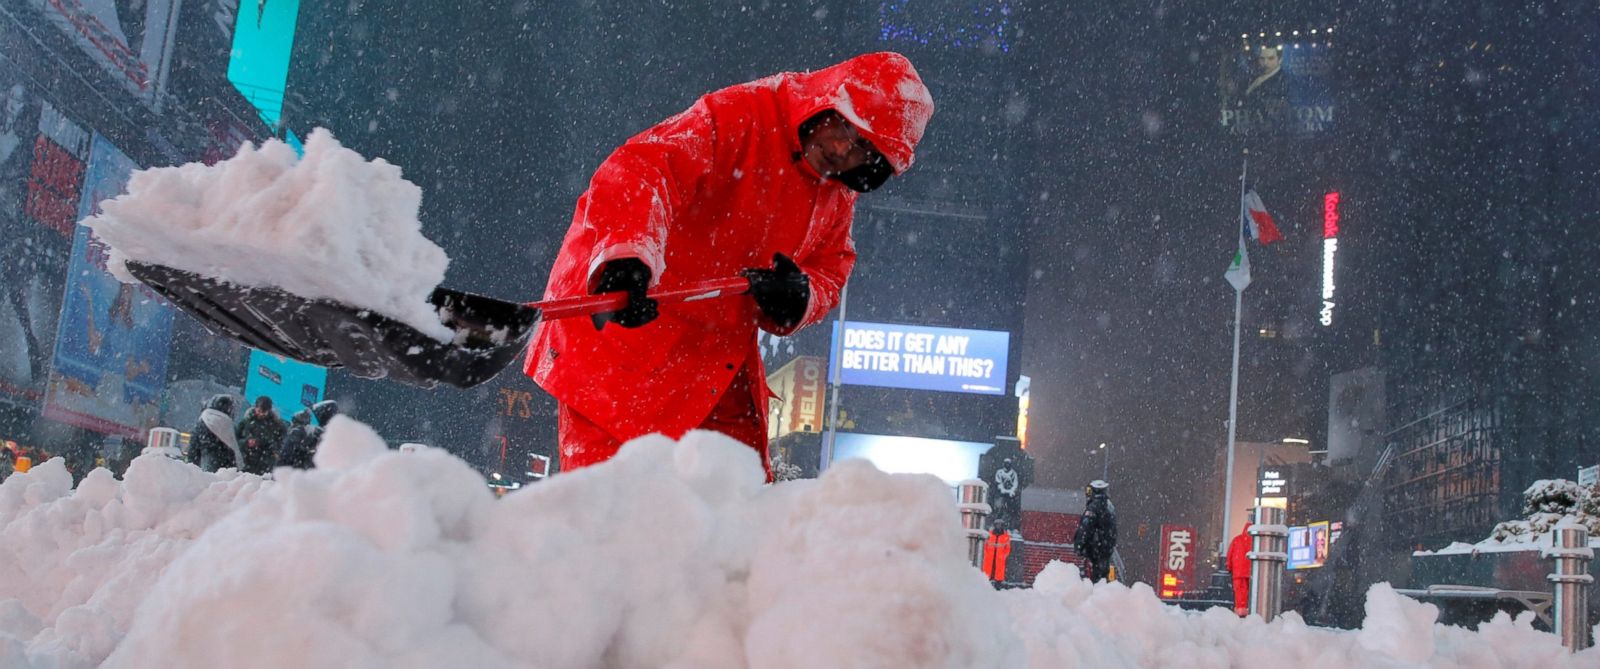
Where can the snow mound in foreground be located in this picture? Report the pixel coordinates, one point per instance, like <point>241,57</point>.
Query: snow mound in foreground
<point>329,225</point>
<point>671,555</point>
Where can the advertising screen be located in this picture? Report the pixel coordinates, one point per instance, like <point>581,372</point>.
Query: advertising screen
<point>292,385</point>
<point>111,346</point>
<point>1299,548</point>
<point>204,40</point>
<point>922,358</point>
<point>952,461</point>
<point>1278,83</point>
<point>1321,539</point>
<point>1177,560</point>
<point>41,175</point>
<point>799,403</point>
<point>263,39</point>
<point>131,41</point>
<point>1308,545</point>
<point>1272,489</point>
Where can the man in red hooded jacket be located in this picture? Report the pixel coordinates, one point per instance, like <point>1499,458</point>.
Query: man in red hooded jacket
<point>760,179</point>
<point>1239,567</point>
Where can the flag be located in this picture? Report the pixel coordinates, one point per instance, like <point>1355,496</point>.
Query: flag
<point>1238,273</point>
<point>1258,221</point>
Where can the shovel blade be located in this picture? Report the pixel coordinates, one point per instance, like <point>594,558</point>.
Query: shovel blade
<point>489,333</point>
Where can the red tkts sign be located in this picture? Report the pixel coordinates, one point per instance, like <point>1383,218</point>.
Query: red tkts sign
<point>1177,560</point>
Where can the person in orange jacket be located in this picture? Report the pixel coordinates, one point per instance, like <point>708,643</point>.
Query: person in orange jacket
<point>996,549</point>
<point>758,179</point>
<point>1239,568</point>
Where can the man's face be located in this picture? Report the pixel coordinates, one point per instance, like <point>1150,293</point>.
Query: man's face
<point>1268,60</point>
<point>835,147</point>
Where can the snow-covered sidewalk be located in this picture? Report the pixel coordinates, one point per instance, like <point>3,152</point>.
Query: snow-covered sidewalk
<point>671,555</point>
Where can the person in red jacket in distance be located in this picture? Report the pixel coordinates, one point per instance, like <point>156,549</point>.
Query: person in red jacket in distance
<point>1239,568</point>
<point>760,179</point>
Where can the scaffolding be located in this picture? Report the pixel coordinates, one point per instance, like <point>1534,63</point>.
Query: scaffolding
<point>1445,481</point>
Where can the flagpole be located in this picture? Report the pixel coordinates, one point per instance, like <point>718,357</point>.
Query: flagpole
<point>1233,390</point>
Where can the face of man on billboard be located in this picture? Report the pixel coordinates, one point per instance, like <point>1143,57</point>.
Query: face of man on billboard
<point>15,98</point>
<point>1269,60</point>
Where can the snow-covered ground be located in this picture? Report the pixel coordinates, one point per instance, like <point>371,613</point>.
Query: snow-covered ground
<point>331,224</point>
<point>674,554</point>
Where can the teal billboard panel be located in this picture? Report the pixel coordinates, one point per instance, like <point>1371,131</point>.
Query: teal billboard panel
<point>258,66</point>
<point>292,385</point>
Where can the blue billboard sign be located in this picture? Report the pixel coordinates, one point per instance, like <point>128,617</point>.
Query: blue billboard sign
<point>1308,545</point>
<point>952,461</point>
<point>111,345</point>
<point>263,41</point>
<point>1299,548</point>
<point>292,385</point>
<point>921,358</point>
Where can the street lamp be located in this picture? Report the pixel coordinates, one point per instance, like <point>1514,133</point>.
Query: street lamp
<point>1105,464</point>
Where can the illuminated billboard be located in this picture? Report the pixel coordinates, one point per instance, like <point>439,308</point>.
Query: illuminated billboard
<point>952,461</point>
<point>131,41</point>
<point>263,39</point>
<point>798,406</point>
<point>1278,83</point>
<point>1177,560</point>
<point>111,345</point>
<point>1308,545</point>
<point>1330,249</point>
<point>42,155</point>
<point>1273,485</point>
<point>921,358</point>
<point>291,384</point>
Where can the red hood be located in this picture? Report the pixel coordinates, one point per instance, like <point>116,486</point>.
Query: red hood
<point>879,93</point>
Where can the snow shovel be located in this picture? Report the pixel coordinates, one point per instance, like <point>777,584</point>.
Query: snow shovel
<point>489,333</point>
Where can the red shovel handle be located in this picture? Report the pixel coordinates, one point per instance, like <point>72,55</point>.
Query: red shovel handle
<point>585,305</point>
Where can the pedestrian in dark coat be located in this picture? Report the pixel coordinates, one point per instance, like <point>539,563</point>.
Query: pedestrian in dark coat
<point>261,435</point>
<point>300,446</point>
<point>212,443</point>
<point>1096,538</point>
<point>297,444</point>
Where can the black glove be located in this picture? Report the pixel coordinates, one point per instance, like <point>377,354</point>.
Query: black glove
<point>633,276</point>
<point>783,292</point>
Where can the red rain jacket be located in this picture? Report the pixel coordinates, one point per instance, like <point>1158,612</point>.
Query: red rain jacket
<point>996,550</point>
<point>716,189</point>
<point>1239,554</point>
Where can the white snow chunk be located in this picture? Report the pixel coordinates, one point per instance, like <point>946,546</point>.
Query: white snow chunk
<point>329,225</point>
